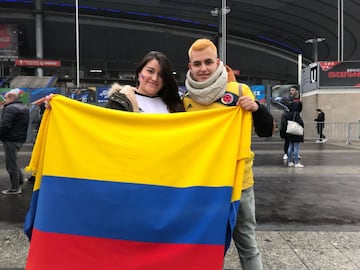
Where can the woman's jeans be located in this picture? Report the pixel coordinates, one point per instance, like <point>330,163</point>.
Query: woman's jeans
<point>293,149</point>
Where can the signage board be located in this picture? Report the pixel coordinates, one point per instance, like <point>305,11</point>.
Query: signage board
<point>334,73</point>
<point>37,63</point>
<point>8,41</point>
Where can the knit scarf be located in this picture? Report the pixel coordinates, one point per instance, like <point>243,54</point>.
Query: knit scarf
<point>208,91</point>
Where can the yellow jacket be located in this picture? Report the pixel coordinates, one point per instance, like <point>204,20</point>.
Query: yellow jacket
<point>232,87</point>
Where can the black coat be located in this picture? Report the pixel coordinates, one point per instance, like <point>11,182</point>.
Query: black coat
<point>14,122</point>
<point>290,116</point>
<point>320,119</point>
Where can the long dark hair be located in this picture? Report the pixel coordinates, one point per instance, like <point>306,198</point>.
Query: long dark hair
<point>169,93</point>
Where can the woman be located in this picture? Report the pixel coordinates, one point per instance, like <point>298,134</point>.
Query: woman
<point>157,91</point>
<point>294,140</point>
<point>294,96</point>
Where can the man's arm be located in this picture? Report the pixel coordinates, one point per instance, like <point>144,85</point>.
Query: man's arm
<point>263,121</point>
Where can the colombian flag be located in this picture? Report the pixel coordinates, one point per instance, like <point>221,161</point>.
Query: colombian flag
<point>121,190</point>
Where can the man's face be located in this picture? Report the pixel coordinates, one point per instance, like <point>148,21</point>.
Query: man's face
<point>293,91</point>
<point>203,64</point>
<point>9,98</point>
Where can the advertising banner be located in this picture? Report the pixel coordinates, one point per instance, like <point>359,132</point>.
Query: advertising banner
<point>37,63</point>
<point>102,93</point>
<point>259,92</point>
<point>8,41</point>
<point>334,73</point>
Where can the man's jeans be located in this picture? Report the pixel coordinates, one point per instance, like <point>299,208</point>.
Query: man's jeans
<point>16,176</point>
<point>244,233</point>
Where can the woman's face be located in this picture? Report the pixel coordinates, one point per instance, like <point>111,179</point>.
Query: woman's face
<point>150,79</point>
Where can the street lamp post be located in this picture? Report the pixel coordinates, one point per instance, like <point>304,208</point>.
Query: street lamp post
<point>77,44</point>
<point>314,42</point>
<point>221,13</point>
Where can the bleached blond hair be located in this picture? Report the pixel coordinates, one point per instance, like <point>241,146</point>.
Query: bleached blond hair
<point>201,44</point>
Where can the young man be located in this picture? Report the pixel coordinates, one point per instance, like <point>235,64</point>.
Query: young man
<point>13,131</point>
<point>209,87</point>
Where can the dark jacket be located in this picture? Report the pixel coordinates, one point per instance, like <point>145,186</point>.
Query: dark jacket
<point>320,119</point>
<point>298,101</point>
<point>14,122</point>
<point>290,116</point>
<point>263,122</point>
<point>119,101</point>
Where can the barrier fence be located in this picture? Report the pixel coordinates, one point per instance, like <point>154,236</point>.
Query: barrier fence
<point>337,132</point>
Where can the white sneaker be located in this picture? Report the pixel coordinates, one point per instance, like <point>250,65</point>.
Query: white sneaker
<point>291,164</point>
<point>285,157</point>
<point>317,141</point>
<point>11,191</point>
<point>299,165</point>
<point>324,140</point>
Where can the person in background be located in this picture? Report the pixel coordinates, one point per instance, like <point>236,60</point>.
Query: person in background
<point>210,86</point>
<point>294,96</point>
<point>320,119</point>
<point>41,113</point>
<point>294,140</point>
<point>13,132</point>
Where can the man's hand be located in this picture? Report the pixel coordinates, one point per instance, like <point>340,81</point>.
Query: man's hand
<point>248,104</point>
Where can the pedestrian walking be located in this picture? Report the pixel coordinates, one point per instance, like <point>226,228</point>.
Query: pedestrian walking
<point>320,119</point>
<point>13,131</point>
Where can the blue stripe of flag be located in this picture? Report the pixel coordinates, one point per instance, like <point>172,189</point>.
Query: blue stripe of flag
<point>134,212</point>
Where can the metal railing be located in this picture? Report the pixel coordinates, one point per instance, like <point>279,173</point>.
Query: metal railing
<point>347,133</point>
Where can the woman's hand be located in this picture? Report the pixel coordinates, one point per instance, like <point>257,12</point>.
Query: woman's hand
<point>47,101</point>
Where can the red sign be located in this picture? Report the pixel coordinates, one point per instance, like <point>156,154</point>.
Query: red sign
<point>37,63</point>
<point>5,38</point>
<point>327,65</point>
<point>8,41</point>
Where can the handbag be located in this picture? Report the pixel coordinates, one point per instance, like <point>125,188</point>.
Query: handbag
<point>294,128</point>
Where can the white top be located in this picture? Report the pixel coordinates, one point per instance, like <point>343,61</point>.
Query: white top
<point>151,104</point>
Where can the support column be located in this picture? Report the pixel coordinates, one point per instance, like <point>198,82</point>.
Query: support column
<point>223,32</point>
<point>39,34</point>
<point>77,46</point>
<point>221,13</point>
<point>340,30</point>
